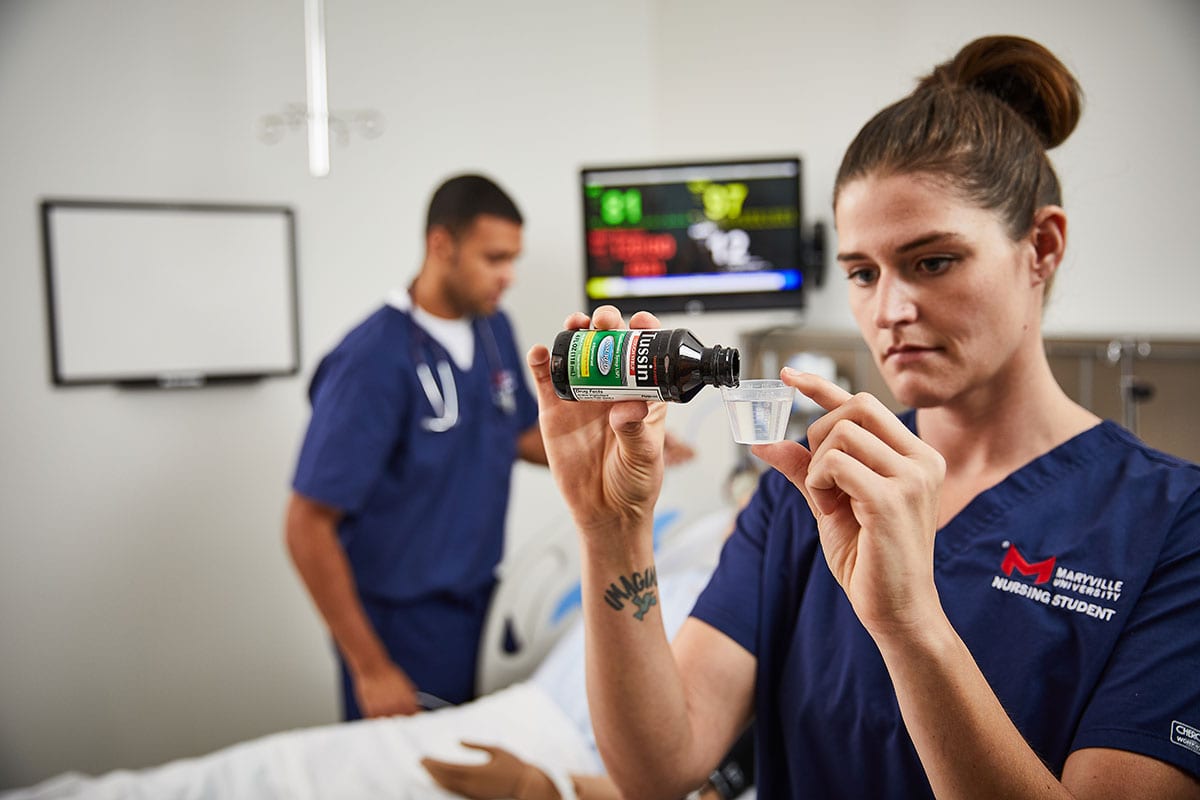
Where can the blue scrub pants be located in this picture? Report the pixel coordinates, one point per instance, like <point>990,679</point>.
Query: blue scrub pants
<point>435,640</point>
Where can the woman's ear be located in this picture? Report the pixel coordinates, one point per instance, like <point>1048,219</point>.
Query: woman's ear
<point>1049,239</point>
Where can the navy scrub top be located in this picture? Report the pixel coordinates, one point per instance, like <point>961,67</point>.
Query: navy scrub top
<point>1073,582</point>
<point>424,510</point>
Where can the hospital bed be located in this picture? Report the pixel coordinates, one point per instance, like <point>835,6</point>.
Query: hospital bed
<point>377,759</point>
<point>533,705</point>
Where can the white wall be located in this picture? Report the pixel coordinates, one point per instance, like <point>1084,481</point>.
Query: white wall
<point>786,76</point>
<point>147,609</point>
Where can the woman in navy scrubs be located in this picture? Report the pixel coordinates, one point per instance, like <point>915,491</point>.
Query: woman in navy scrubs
<point>991,595</point>
<point>396,522</point>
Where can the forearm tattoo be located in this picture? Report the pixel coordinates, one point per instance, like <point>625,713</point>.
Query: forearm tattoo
<point>639,589</point>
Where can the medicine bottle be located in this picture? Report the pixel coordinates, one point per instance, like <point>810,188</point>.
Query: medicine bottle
<point>645,364</point>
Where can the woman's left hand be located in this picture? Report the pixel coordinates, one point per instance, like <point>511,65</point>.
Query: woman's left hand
<point>873,487</point>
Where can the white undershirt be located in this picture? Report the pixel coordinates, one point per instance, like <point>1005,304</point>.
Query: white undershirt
<point>455,335</point>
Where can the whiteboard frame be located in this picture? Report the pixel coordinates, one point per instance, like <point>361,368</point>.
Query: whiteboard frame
<point>183,374</point>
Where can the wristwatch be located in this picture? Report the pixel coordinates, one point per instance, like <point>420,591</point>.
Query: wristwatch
<point>728,780</point>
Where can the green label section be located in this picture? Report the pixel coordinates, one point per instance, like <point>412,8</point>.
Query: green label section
<point>597,358</point>
<point>600,366</point>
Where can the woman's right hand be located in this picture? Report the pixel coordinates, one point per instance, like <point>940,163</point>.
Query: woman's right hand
<point>873,487</point>
<point>607,458</point>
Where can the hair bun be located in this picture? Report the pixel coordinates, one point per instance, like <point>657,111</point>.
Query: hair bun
<point>1023,75</point>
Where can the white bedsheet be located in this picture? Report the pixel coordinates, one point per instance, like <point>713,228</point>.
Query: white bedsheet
<point>543,719</point>
<point>365,760</point>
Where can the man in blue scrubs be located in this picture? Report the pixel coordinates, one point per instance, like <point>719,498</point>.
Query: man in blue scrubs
<point>396,522</point>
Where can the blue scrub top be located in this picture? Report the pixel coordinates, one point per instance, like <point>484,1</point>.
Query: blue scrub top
<point>424,510</point>
<point>1073,583</point>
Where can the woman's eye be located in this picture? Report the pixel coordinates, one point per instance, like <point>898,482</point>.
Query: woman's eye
<point>862,276</point>
<point>935,265</point>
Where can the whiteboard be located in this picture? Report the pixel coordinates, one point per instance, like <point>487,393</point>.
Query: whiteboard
<point>169,294</point>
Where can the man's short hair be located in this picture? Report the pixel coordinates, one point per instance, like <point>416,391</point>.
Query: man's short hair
<point>460,199</point>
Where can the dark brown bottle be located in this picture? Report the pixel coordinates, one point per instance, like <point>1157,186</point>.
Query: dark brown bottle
<point>645,364</point>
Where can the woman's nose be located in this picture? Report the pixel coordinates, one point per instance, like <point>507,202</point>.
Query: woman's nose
<point>894,302</point>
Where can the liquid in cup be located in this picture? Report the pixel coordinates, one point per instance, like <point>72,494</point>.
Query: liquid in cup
<point>758,410</point>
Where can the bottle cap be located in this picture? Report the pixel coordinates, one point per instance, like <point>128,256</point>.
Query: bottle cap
<point>722,363</point>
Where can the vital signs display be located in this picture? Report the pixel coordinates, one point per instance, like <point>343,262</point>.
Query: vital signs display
<point>693,237</point>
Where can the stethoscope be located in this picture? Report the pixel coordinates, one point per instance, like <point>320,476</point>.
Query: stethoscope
<point>443,398</point>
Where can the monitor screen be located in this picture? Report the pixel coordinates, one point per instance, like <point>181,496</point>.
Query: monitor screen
<point>704,236</point>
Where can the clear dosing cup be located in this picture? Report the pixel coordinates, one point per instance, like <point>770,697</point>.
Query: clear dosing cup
<point>758,410</point>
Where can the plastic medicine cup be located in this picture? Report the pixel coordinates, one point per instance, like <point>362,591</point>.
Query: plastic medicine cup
<point>758,410</point>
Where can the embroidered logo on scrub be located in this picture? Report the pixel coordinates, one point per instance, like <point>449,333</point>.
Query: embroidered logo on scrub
<point>638,589</point>
<point>1185,736</point>
<point>1013,559</point>
<point>1080,590</point>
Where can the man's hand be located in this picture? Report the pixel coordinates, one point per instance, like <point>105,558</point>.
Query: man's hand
<point>676,451</point>
<point>385,692</point>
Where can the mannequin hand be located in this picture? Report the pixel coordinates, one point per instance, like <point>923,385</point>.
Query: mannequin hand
<point>873,487</point>
<point>607,458</point>
<point>385,693</point>
<point>503,776</point>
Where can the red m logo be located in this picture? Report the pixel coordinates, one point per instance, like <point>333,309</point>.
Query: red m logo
<point>1014,560</point>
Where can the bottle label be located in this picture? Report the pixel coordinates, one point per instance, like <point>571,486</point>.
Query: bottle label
<point>613,365</point>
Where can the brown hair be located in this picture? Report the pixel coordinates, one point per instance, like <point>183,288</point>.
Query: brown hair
<point>982,122</point>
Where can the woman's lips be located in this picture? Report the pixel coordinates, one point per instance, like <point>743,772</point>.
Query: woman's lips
<point>906,353</point>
